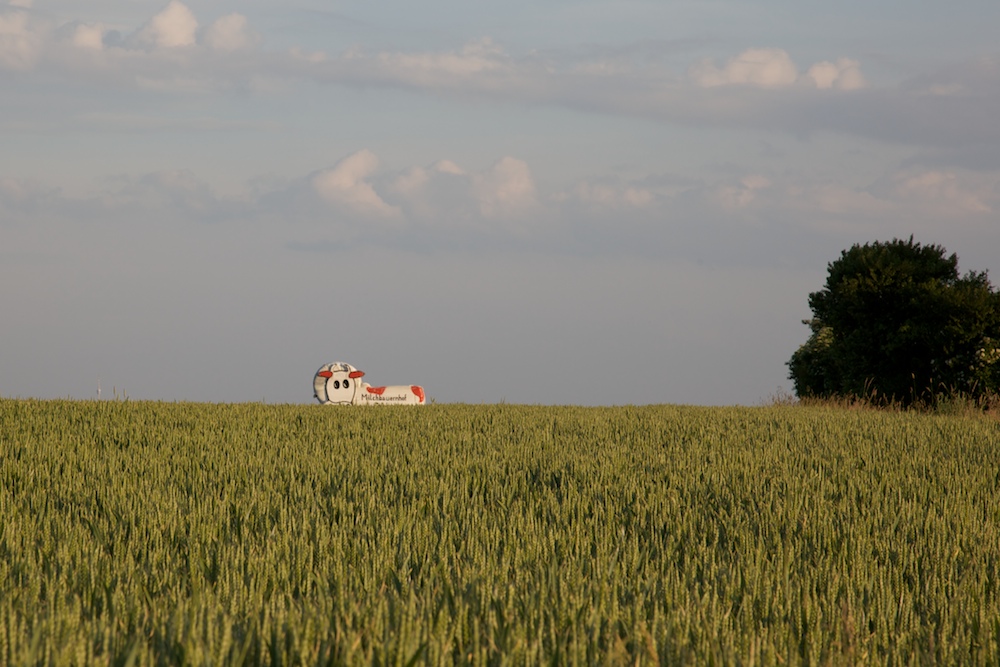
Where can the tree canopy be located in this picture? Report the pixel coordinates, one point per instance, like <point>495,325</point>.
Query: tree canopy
<point>896,321</point>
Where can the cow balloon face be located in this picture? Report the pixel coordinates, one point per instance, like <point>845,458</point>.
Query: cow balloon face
<point>337,383</point>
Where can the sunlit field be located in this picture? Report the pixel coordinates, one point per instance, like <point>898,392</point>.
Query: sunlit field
<point>166,533</point>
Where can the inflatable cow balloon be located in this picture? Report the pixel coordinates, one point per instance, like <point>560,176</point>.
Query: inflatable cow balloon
<point>341,384</point>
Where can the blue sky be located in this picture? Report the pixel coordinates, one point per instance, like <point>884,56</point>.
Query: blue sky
<point>559,203</point>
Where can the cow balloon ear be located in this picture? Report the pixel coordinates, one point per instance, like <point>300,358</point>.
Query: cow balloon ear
<point>356,374</point>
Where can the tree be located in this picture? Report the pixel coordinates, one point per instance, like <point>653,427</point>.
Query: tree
<point>896,321</point>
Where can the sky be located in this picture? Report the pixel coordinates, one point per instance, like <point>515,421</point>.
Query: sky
<point>562,202</point>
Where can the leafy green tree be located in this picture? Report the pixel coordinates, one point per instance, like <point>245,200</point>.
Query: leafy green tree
<point>896,321</point>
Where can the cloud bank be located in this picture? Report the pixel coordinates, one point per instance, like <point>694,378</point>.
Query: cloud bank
<point>760,87</point>
<point>355,202</point>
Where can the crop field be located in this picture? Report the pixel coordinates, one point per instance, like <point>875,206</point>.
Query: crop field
<point>139,533</point>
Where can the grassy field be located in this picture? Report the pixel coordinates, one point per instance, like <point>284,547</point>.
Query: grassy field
<point>168,533</point>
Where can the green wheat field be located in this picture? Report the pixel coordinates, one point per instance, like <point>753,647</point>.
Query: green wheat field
<point>141,533</point>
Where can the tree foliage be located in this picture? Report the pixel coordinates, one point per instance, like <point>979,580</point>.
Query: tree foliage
<point>896,321</point>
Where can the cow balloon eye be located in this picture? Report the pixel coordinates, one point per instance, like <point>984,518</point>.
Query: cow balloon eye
<point>336,384</point>
<point>345,384</point>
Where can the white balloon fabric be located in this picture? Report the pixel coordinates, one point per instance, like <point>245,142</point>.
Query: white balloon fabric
<point>337,384</point>
<point>341,384</point>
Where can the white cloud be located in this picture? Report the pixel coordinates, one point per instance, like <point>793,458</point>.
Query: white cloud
<point>901,201</point>
<point>474,59</point>
<point>946,89</point>
<point>743,193</point>
<point>831,206</point>
<point>16,192</point>
<point>346,184</point>
<point>845,74</point>
<point>167,195</point>
<point>229,33</point>
<point>447,167</point>
<point>411,182</point>
<point>307,57</point>
<point>947,192</point>
<point>613,195</point>
<point>976,77</point>
<point>774,68</point>
<point>506,188</point>
<point>441,196</point>
<point>21,40</point>
<point>445,195</point>
<point>88,36</point>
<point>173,27</point>
<point>415,181</point>
<point>770,68</point>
